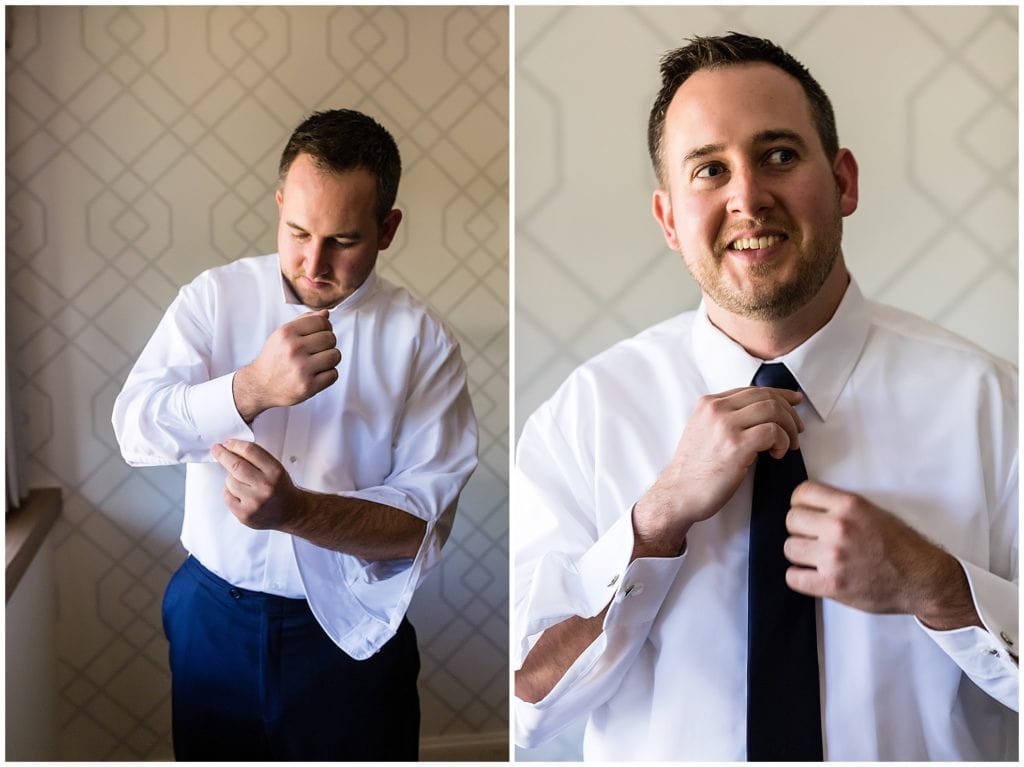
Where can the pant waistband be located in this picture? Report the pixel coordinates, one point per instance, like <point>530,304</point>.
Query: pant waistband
<point>231,594</point>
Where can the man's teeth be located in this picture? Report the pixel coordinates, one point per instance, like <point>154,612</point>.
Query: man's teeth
<point>756,243</point>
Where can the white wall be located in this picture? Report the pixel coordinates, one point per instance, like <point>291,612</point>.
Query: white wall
<point>925,97</point>
<point>142,148</point>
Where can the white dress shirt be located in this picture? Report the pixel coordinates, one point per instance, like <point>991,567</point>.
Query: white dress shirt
<point>397,428</point>
<point>913,418</point>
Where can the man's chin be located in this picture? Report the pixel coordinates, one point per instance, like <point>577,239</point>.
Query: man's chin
<point>314,299</point>
<point>318,302</point>
<point>765,302</point>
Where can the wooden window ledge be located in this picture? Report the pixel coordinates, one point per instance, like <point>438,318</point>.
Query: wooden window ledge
<point>27,528</point>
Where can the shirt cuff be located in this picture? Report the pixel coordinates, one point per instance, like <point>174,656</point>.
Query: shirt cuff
<point>642,589</point>
<point>989,655</point>
<point>563,586</point>
<point>211,408</point>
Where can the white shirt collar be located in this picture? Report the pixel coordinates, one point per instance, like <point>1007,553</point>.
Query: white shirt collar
<point>821,365</point>
<point>349,303</point>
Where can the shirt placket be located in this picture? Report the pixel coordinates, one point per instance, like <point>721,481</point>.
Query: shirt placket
<point>294,457</point>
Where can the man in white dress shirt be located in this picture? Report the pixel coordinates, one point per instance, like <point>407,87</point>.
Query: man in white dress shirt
<point>634,482</point>
<point>325,420</point>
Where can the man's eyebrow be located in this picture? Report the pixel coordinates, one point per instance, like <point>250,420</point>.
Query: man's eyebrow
<point>761,137</point>
<point>702,151</point>
<point>780,134</point>
<point>335,236</point>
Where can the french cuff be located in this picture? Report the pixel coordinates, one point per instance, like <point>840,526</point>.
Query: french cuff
<point>602,566</point>
<point>211,408</point>
<point>642,589</point>
<point>988,655</point>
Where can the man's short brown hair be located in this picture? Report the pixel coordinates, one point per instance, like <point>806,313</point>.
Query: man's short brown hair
<point>732,49</point>
<point>344,139</point>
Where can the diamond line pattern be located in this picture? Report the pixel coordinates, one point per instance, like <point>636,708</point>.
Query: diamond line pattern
<point>142,147</point>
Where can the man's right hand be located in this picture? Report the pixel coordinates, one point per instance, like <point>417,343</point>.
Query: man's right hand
<point>297,361</point>
<point>719,444</point>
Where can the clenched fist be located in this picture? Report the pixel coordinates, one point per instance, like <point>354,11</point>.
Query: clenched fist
<point>297,361</point>
<point>846,548</point>
<point>719,444</point>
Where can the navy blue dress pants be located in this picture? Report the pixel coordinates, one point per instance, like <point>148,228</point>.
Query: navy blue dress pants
<point>255,678</point>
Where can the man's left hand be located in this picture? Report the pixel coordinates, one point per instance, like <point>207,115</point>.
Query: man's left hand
<point>258,490</point>
<point>845,548</point>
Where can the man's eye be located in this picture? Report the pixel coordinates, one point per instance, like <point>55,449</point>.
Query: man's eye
<point>300,235</point>
<point>710,171</point>
<point>781,156</point>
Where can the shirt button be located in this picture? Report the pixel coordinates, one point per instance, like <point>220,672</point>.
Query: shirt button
<point>275,585</point>
<point>1006,638</point>
<point>613,581</point>
<point>292,459</point>
<point>993,651</point>
<point>633,589</point>
<point>235,593</point>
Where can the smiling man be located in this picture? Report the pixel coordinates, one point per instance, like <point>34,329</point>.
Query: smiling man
<point>324,417</point>
<point>782,526</point>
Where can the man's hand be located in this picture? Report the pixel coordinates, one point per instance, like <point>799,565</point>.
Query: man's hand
<point>845,548</point>
<point>720,442</point>
<point>297,361</point>
<point>258,490</point>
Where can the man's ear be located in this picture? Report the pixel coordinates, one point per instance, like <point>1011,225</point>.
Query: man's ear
<point>279,197</point>
<point>846,173</point>
<point>662,209</point>
<point>388,227</point>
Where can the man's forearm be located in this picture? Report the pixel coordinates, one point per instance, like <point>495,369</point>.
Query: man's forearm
<point>946,602</point>
<point>356,526</point>
<point>556,650</point>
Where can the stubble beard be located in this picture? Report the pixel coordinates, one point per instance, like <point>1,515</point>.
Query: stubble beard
<point>771,299</point>
<point>314,301</point>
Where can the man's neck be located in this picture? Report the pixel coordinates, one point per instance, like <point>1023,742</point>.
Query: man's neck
<point>770,339</point>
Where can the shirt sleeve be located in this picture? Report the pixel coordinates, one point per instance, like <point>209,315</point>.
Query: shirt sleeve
<point>360,603</point>
<point>990,655</point>
<point>173,407</point>
<point>569,563</point>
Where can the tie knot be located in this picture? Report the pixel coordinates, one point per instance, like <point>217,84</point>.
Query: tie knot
<point>775,375</point>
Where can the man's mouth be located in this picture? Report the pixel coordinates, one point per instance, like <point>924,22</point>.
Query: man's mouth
<point>756,243</point>
<point>315,283</point>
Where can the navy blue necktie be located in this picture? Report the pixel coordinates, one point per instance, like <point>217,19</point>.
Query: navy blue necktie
<point>783,703</point>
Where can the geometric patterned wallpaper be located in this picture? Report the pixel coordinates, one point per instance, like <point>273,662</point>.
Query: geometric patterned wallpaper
<point>141,148</point>
<point>926,97</point>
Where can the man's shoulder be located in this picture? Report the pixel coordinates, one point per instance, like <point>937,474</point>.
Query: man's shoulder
<point>248,270</point>
<point>912,334</point>
<point>662,352</point>
<point>403,308</point>
<point>257,266</point>
<point>666,339</point>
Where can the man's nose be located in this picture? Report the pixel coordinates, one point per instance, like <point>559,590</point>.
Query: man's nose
<point>748,194</point>
<point>316,258</point>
